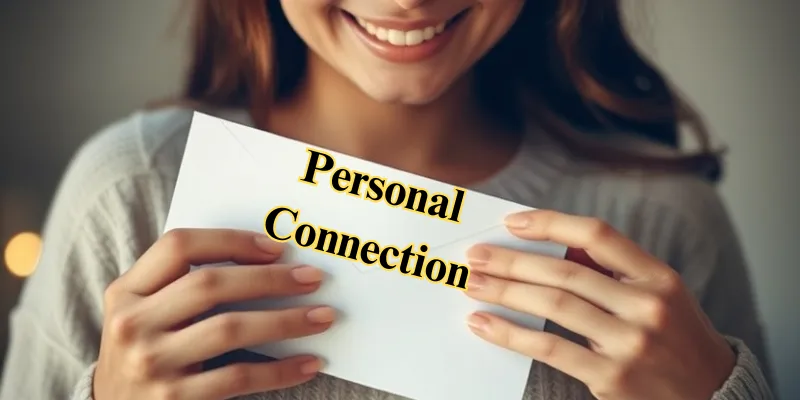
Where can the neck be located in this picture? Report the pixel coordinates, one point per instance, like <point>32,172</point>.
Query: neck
<point>329,111</point>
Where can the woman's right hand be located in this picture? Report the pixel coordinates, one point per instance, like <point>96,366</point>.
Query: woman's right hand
<point>151,347</point>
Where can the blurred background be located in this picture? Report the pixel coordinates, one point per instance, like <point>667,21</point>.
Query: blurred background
<point>71,67</point>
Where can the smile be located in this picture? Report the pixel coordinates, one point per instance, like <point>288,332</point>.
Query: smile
<point>404,41</point>
<point>402,38</point>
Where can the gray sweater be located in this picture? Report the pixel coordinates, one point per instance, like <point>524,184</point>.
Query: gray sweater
<point>113,201</point>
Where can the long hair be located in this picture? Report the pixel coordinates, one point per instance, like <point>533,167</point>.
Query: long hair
<point>570,63</point>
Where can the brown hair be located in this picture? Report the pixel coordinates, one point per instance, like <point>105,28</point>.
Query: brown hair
<point>569,62</point>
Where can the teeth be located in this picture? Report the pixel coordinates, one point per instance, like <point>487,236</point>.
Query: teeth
<point>382,34</point>
<point>402,38</point>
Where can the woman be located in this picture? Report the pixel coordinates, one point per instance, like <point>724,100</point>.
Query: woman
<point>540,102</point>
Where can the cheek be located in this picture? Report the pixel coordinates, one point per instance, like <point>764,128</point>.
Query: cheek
<point>304,6</point>
<point>497,18</point>
<point>310,19</point>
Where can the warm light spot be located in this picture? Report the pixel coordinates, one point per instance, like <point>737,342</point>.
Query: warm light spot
<point>22,253</point>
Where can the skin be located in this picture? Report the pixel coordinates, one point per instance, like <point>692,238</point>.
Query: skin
<point>648,338</point>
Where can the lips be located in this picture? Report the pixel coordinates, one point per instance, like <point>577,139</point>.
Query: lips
<point>404,41</point>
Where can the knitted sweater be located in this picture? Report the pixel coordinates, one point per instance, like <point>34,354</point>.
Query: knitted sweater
<point>113,202</point>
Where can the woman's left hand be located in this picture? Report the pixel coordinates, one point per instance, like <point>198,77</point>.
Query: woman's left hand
<point>648,337</point>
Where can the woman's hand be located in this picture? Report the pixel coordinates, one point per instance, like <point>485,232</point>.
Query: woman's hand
<point>152,349</point>
<point>648,338</point>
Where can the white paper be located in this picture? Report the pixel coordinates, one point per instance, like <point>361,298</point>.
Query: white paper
<point>395,333</point>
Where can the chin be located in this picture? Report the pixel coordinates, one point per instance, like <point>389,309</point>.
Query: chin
<point>405,92</point>
<point>403,98</point>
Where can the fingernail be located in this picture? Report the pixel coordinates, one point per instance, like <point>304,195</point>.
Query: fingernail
<point>478,323</point>
<point>307,275</point>
<point>268,245</point>
<point>478,256</point>
<point>517,221</point>
<point>321,315</point>
<point>311,367</point>
<point>476,281</point>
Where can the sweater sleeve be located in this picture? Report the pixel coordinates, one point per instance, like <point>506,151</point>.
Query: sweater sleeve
<point>55,327</point>
<point>705,250</point>
<point>747,381</point>
<point>83,388</point>
<point>728,299</point>
<point>89,238</point>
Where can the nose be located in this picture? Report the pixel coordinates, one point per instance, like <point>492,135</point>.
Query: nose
<point>409,4</point>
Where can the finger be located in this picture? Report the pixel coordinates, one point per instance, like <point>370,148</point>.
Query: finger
<point>600,290</point>
<point>202,290</point>
<point>581,257</point>
<point>559,353</point>
<point>225,332</point>
<point>558,305</point>
<point>173,254</point>
<point>601,241</point>
<point>248,378</point>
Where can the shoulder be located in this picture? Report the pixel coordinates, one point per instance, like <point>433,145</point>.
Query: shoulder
<point>142,142</point>
<point>679,195</point>
<point>689,196</point>
<point>666,212</point>
<point>117,188</point>
<point>636,196</point>
<point>145,143</point>
<point>590,187</point>
<point>114,182</point>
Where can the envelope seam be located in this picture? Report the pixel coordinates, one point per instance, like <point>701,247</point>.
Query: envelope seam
<point>239,141</point>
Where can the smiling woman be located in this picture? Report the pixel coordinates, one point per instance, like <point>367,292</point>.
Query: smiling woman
<point>544,103</point>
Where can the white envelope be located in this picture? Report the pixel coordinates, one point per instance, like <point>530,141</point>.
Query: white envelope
<point>395,333</point>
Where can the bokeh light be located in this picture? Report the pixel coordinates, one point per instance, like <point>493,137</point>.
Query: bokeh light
<point>22,254</point>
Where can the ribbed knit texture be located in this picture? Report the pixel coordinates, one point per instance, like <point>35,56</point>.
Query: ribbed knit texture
<point>113,202</point>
